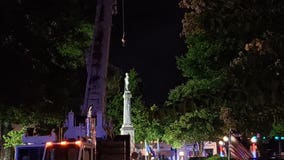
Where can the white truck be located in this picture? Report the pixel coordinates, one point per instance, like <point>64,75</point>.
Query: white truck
<point>79,143</point>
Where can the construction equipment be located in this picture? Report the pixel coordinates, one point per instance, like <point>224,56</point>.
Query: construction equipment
<point>79,142</point>
<point>96,63</point>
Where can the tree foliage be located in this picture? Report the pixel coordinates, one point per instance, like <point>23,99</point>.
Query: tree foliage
<point>277,129</point>
<point>233,66</point>
<point>43,45</point>
<point>13,138</point>
<point>192,127</point>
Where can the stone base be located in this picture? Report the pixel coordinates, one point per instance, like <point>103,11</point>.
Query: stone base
<point>128,130</point>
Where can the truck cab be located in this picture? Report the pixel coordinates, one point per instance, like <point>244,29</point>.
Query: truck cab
<point>33,147</point>
<point>69,150</point>
<point>29,152</point>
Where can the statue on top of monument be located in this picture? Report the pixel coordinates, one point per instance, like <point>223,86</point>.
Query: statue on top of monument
<point>126,81</point>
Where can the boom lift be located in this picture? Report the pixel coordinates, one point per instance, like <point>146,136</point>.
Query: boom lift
<point>97,63</point>
<point>79,142</point>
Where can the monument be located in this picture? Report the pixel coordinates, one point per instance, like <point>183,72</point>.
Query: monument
<point>127,127</point>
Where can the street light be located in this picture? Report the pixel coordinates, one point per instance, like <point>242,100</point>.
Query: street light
<point>226,140</point>
<point>253,146</point>
<point>279,139</point>
<point>181,155</point>
<point>253,139</point>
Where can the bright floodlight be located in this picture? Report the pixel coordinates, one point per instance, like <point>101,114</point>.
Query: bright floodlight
<point>225,138</point>
<point>181,153</point>
<point>233,139</point>
<point>221,143</point>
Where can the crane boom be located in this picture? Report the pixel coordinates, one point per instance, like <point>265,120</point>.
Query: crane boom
<point>85,147</point>
<point>96,64</point>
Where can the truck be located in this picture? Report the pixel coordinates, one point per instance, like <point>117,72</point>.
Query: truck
<point>69,150</point>
<point>78,143</point>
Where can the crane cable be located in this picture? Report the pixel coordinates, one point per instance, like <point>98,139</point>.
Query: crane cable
<point>123,40</point>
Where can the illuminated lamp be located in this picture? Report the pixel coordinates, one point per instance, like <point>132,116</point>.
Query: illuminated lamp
<point>48,144</point>
<point>78,143</point>
<point>253,139</point>
<point>63,143</point>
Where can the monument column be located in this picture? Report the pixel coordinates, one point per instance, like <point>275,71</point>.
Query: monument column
<point>127,127</point>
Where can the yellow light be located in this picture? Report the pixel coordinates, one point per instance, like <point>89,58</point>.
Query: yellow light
<point>63,142</point>
<point>48,144</point>
<point>78,143</point>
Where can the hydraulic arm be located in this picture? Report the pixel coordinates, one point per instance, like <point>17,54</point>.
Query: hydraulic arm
<point>97,63</point>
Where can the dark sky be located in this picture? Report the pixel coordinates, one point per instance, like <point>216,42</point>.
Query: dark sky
<point>152,32</point>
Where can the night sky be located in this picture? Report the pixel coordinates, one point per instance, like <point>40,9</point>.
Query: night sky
<point>152,30</point>
<point>152,33</point>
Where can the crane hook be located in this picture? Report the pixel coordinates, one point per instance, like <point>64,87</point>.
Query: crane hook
<point>123,40</point>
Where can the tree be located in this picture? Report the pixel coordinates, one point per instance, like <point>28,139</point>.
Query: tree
<point>42,58</point>
<point>206,80</point>
<point>192,127</point>
<point>232,63</point>
<point>277,130</point>
<point>43,49</point>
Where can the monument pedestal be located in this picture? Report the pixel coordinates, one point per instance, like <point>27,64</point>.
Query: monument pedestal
<point>127,127</point>
<point>128,130</point>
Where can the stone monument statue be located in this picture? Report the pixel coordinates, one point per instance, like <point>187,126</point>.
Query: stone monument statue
<point>127,127</point>
<point>126,82</point>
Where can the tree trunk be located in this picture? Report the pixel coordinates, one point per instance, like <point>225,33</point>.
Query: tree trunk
<point>6,154</point>
<point>200,151</point>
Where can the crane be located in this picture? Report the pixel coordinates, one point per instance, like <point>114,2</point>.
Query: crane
<point>97,62</point>
<point>80,141</point>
